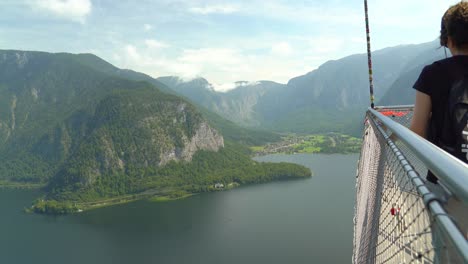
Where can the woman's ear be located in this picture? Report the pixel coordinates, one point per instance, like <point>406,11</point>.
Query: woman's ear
<point>449,42</point>
<point>451,46</point>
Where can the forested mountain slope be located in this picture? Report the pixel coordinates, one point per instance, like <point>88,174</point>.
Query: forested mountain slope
<point>90,134</point>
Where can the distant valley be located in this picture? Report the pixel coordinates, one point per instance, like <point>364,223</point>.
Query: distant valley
<point>330,98</point>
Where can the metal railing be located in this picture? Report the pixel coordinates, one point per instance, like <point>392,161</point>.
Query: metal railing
<point>398,215</point>
<point>452,172</point>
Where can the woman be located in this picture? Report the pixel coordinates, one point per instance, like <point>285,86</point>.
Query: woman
<point>436,80</point>
<point>432,96</point>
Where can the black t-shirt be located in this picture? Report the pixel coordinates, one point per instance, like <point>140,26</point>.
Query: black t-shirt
<point>436,80</point>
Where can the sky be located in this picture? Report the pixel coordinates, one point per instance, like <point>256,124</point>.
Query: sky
<point>222,41</point>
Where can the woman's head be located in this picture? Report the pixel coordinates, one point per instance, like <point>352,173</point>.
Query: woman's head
<point>454,26</point>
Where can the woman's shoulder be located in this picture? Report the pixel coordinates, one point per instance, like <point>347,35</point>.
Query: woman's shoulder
<point>444,69</point>
<point>440,67</point>
<point>434,69</point>
<point>439,64</point>
<point>433,77</point>
<point>454,61</point>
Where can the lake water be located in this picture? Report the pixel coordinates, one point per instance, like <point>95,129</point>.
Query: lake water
<point>300,221</point>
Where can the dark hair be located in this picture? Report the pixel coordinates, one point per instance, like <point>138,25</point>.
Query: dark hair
<point>455,25</point>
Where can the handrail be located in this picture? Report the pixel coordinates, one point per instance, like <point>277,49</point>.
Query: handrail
<point>452,172</point>
<point>437,211</point>
<point>406,107</point>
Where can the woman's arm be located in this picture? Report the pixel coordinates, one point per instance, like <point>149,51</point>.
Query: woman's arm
<point>421,114</point>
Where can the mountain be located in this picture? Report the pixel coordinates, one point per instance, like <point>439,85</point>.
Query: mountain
<point>199,91</point>
<point>90,131</point>
<point>237,105</point>
<point>56,106</point>
<point>94,62</point>
<point>330,98</point>
<point>401,91</point>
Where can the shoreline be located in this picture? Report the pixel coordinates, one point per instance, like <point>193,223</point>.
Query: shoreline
<point>254,155</point>
<point>166,198</point>
<point>79,207</point>
<point>68,207</point>
<point>19,185</point>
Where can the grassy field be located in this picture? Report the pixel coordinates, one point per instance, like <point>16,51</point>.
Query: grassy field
<point>20,185</point>
<point>320,143</point>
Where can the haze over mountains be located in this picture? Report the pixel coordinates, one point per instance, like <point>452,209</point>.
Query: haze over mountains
<point>398,92</point>
<point>330,98</point>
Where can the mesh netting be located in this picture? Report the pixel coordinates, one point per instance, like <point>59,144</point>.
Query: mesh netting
<point>392,224</point>
<point>403,116</point>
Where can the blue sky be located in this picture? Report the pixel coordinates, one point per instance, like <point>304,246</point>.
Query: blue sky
<point>223,41</point>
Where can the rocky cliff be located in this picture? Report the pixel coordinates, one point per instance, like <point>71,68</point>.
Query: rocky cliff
<point>205,138</point>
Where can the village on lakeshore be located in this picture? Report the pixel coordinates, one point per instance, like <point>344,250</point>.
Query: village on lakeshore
<point>322,143</point>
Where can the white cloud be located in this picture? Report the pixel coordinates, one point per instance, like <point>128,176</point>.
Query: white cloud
<point>214,9</point>
<point>246,83</point>
<point>281,49</point>
<point>403,22</point>
<point>322,13</point>
<point>224,87</point>
<point>224,56</point>
<point>208,61</point>
<point>132,53</point>
<point>75,10</point>
<point>223,67</point>
<point>147,27</point>
<point>279,55</point>
<point>154,44</point>
<point>358,40</point>
<point>226,66</point>
<point>116,57</point>
<point>326,44</point>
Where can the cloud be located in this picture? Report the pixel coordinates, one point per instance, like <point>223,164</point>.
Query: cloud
<point>399,22</point>
<point>224,87</point>
<point>191,63</point>
<point>326,44</point>
<point>75,10</point>
<point>359,40</point>
<point>147,27</point>
<point>323,13</point>
<point>226,56</point>
<point>154,44</point>
<point>246,83</point>
<point>281,49</point>
<point>214,9</point>
<point>313,34</point>
<point>132,53</point>
<point>222,67</point>
<point>116,57</point>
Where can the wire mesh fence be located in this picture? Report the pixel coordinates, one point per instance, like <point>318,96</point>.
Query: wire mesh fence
<point>392,223</point>
<point>403,116</point>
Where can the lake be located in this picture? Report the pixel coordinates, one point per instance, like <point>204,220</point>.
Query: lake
<point>298,221</point>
